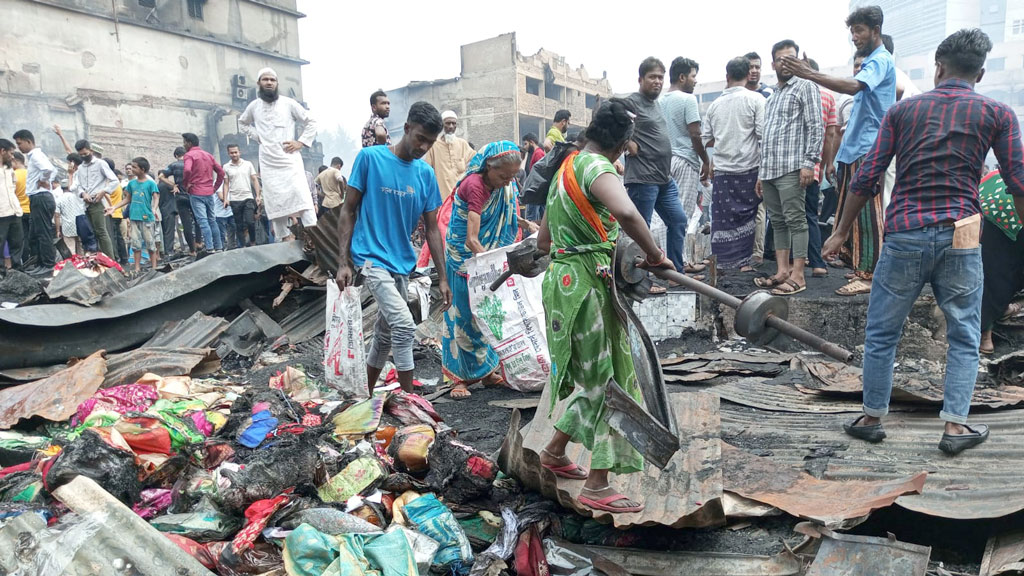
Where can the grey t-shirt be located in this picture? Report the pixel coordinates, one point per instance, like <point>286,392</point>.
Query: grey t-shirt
<point>653,162</point>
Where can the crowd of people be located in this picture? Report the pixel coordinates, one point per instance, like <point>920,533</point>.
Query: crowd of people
<point>899,170</point>
<point>194,205</point>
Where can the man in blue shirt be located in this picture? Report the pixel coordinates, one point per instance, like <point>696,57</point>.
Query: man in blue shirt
<point>389,190</point>
<point>874,91</point>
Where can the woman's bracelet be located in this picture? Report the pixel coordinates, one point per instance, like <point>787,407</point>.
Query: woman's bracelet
<point>661,258</point>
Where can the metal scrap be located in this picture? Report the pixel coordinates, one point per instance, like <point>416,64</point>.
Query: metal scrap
<point>1004,554</point>
<point>85,287</point>
<point>128,367</point>
<point>51,333</point>
<point>653,563</point>
<point>983,482</point>
<point>1008,368</point>
<point>271,330</point>
<point>19,288</point>
<point>830,502</point>
<point>833,378</point>
<point>55,398</point>
<point>196,331</point>
<point>687,493</point>
<point>243,336</point>
<point>849,555</point>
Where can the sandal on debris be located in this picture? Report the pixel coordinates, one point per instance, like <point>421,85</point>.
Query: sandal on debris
<point>572,471</point>
<point>767,281</point>
<point>605,504</point>
<point>794,288</point>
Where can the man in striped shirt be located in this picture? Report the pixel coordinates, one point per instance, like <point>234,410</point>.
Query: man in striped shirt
<point>932,227</point>
<point>791,147</point>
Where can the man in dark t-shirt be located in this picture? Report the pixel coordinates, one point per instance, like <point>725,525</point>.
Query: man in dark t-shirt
<point>648,177</point>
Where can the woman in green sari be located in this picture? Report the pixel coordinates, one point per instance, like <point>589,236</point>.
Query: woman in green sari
<point>587,206</point>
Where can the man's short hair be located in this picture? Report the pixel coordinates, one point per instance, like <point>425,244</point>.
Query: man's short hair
<point>321,169</point>
<point>6,144</point>
<point>24,135</point>
<point>190,138</point>
<point>964,51</point>
<point>870,16</point>
<point>230,146</point>
<point>82,144</point>
<point>738,68</point>
<point>337,161</point>
<point>375,95</point>
<point>530,137</point>
<point>179,152</point>
<point>752,56</point>
<point>19,156</point>
<point>110,163</point>
<point>424,114</point>
<point>649,64</point>
<point>782,45</point>
<point>562,115</point>
<point>74,158</point>
<point>813,64</point>
<point>682,67</point>
<point>890,46</point>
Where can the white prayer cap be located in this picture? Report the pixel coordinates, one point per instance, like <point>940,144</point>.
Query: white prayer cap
<point>448,114</point>
<point>266,72</point>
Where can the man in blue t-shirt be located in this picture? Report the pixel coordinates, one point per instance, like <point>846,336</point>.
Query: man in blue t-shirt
<point>389,190</point>
<point>874,91</point>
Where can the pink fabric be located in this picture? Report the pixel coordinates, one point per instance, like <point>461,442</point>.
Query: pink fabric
<point>257,515</point>
<point>120,399</point>
<point>202,424</point>
<point>152,502</point>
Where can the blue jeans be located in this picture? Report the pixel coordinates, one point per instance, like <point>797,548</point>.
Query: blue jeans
<point>534,212</point>
<point>813,230</point>
<point>908,260</point>
<point>202,209</point>
<point>663,199</point>
<point>394,332</point>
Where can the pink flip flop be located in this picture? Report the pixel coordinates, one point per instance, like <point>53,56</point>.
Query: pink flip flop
<point>604,504</point>
<point>564,471</point>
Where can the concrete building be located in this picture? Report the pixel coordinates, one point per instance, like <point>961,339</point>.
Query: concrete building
<point>503,95</point>
<point>132,75</point>
<point>918,26</point>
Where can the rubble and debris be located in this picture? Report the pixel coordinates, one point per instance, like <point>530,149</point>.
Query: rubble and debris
<point>86,285</point>
<point>196,331</point>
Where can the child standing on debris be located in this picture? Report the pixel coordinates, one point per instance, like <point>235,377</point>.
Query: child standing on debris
<point>142,198</point>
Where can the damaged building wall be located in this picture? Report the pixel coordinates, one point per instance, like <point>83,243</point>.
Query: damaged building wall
<point>502,94</point>
<point>134,81</point>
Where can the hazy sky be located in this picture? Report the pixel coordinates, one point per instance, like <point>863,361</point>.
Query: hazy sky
<point>356,47</point>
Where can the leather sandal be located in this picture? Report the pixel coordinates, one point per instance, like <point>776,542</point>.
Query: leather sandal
<point>954,444</point>
<point>873,433</point>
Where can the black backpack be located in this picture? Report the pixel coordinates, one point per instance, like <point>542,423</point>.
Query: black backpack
<point>535,189</point>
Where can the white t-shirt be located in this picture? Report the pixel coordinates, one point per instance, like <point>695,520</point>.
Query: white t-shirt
<point>239,180</point>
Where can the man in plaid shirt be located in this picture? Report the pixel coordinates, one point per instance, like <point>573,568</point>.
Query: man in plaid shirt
<point>932,228</point>
<point>793,136</point>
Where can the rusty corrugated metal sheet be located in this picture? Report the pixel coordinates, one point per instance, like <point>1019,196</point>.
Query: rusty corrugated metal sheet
<point>196,331</point>
<point>850,555</point>
<point>325,241</point>
<point>778,397</point>
<point>687,493</point>
<point>55,398</point>
<point>983,482</point>
<point>128,367</point>
<point>789,488</point>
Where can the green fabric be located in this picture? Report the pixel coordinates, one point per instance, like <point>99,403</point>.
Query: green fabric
<point>181,430</point>
<point>997,205</point>
<point>309,552</point>
<point>587,342</point>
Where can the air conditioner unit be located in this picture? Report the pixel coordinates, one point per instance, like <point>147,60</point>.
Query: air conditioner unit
<point>240,80</point>
<point>241,93</point>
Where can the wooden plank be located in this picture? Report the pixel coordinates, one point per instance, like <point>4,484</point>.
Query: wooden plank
<point>687,493</point>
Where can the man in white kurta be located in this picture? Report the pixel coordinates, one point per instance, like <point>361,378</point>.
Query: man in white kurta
<point>273,121</point>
